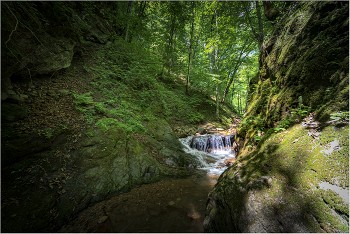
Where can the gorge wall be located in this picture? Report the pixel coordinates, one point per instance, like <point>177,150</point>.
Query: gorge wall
<point>292,173</point>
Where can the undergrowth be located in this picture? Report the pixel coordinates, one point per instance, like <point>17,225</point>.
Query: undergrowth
<point>128,92</point>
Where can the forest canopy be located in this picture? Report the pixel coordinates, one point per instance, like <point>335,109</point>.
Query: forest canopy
<point>214,46</point>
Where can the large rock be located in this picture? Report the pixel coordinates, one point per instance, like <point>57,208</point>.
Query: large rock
<point>285,187</point>
<point>49,180</point>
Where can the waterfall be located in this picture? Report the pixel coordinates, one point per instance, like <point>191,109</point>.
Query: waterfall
<point>212,143</point>
<point>210,150</point>
<point>215,143</point>
<point>199,143</point>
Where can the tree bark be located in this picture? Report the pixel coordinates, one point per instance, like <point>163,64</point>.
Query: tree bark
<point>190,52</point>
<point>216,64</point>
<point>169,47</point>
<point>270,12</point>
<point>246,99</point>
<point>128,24</point>
<point>261,32</point>
<point>234,72</point>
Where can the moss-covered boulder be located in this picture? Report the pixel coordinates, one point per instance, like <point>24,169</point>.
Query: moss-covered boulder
<point>292,182</point>
<point>47,179</point>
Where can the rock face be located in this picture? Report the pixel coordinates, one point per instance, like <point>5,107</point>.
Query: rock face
<point>43,43</point>
<point>278,186</point>
<point>304,64</point>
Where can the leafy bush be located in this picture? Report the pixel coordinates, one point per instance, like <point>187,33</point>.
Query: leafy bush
<point>302,111</point>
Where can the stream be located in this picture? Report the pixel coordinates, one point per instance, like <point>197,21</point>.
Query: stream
<point>172,205</point>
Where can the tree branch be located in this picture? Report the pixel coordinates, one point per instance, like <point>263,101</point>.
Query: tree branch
<point>15,26</point>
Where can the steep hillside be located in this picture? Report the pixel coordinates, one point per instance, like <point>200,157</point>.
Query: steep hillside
<point>84,114</point>
<point>292,174</point>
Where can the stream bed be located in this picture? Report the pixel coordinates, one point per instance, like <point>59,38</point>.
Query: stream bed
<point>172,205</point>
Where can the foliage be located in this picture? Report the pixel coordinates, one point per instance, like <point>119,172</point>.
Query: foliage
<point>302,111</point>
<point>82,99</point>
<point>342,116</point>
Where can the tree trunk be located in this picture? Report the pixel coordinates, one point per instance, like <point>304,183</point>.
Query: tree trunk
<point>128,24</point>
<point>216,64</point>
<point>234,72</point>
<point>170,42</point>
<point>189,54</point>
<point>261,32</point>
<point>246,99</point>
<point>217,100</point>
<point>270,12</point>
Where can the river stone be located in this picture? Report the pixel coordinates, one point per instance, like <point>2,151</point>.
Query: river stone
<point>202,131</point>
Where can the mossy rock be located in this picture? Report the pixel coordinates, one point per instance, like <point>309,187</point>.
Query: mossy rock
<point>276,187</point>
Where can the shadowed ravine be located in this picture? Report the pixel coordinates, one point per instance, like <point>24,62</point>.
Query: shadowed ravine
<point>174,205</point>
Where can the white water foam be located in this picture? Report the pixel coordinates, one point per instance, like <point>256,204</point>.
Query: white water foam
<point>219,155</point>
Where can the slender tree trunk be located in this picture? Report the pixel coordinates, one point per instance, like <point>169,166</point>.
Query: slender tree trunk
<point>234,72</point>
<point>190,52</point>
<point>246,99</point>
<point>170,43</point>
<point>128,24</point>
<point>261,32</point>
<point>232,98</point>
<point>239,110</point>
<point>216,65</point>
<point>143,5</point>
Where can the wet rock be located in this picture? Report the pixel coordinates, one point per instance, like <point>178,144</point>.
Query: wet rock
<point>202,131</point>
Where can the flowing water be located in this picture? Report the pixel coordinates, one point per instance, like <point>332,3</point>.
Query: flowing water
<point>214,152</point>
<point>173,205</point>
